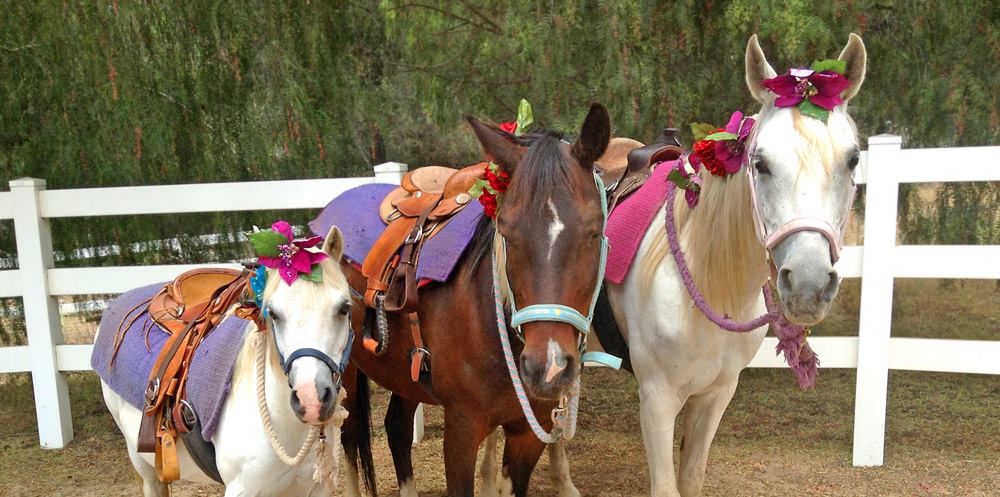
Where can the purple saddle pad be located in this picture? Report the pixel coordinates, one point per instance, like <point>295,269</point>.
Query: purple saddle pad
<point>211,368</point>
<point>355,212</point>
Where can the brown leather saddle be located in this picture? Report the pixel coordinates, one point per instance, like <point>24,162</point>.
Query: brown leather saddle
<point>427,199</point>
<point>627,163</point>
<point>188,309</point>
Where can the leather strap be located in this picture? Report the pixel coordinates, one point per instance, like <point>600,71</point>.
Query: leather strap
<point>419,355</point>
<point>402,294</point>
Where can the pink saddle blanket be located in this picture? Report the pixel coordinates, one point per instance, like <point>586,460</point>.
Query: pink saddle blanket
<point>630,220</point>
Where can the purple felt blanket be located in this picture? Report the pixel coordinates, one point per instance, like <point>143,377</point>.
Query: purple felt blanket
<point>355,212</point>
<point>628,223</point>
<point>211,369</point>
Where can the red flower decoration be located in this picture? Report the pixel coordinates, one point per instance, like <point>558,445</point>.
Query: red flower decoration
<point>291,257</point>
<point>704,153</point>
<point>509,127</point>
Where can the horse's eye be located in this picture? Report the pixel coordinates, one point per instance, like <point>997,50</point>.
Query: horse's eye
<point>761,165</point>
<point>344,309</point>
<point>273,315</point>
<point>852,162</point>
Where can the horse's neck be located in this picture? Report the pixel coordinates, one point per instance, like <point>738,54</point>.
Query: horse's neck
<point>724,256</point>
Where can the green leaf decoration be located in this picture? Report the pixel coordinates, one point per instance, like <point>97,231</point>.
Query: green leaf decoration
<point>524,117</point>
<point>316,275</point>
<point>837,66</point>
<point>701,130</point>
<point>679,179</point>
<point>812,110</point>
<point>721,136</point>
<point>477,188</point>
<point>265,243</point>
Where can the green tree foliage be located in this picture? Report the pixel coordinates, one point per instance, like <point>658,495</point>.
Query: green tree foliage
<point>115,93</point>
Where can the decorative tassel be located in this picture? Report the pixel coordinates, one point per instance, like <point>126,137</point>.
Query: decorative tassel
<point>798,354</point>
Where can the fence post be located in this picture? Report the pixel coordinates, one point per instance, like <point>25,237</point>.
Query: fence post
<point>41,314</point>
<point>390,172</point>
<point>875,322</point>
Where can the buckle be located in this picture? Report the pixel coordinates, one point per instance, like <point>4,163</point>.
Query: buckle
<point>188,415</point>
<point>152,389</point>
<point>416,234</point>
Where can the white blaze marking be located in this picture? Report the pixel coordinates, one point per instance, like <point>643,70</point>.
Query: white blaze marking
<point>555,363</point>
<point>555,228</point>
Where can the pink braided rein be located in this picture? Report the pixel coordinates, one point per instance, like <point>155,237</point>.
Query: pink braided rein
<point>791,337</point>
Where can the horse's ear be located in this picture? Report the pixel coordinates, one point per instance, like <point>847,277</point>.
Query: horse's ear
<point>497,144</point>
<point>594,136</point>
<point>758,70</point>
<point>856,57</point>
<point>333,246</point>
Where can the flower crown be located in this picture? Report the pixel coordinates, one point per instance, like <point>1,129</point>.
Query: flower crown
<point>278,249</point>
<point>490,190</point>
<point>815,91</point>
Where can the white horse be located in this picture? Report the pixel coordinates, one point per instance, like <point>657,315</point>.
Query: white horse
<point>803,170</point>
<point>302,315</point>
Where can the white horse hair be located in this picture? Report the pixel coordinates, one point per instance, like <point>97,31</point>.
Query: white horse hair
<point>680,358</point>
<point>311,315</point>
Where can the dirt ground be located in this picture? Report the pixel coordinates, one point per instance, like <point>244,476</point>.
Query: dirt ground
<point>943,429</point>
<point>944,440</point>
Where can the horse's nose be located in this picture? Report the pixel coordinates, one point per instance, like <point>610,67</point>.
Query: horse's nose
<point>548,378</point>
<point>817,287</point>
<point>314,402</point>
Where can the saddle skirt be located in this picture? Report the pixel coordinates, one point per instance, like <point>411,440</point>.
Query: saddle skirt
<point>210,377</point>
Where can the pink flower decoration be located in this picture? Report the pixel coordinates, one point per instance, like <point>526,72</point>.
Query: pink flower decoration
<point>821,88</point>
<point>293,259</point>
<point>731,152</point>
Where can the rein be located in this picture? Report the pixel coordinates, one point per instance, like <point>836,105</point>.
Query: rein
<point>563,416</point>
<point>791,337</point>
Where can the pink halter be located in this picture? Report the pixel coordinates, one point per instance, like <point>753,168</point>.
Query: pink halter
<point>834,236</point>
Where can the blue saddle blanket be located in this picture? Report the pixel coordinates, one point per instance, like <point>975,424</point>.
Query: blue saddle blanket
<point>355,212</point>
<point>211,373</point>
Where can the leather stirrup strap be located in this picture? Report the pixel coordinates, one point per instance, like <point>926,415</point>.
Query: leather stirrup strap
<point>405,299</point>
<point>419,356</point>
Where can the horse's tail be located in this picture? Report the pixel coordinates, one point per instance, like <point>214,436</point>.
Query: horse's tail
<point>363,410</point>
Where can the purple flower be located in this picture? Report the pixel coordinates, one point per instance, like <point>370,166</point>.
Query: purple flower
<point>821,88</point>
<point>293,259</point>
<point>731,152</point>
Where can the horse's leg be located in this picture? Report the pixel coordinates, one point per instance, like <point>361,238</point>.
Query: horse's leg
<point>658,408</point>
<point>399,431</point>
<point>488,468</point>
<point>418,425</point>
<point>521,450</point>
<point>354,430</point>
<point>464,430</point>
<point>151,485</point>
<point>559,469</point>
<point>701,421</point>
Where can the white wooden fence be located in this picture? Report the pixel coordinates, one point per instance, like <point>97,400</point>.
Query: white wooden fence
<point>873,352</point>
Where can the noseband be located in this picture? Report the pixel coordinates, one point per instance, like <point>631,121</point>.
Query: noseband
<point>336,369</point>
<point>835,236</point>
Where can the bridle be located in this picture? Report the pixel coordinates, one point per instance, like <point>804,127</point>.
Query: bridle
<point>564,313</point>
<point>564,415</point>
<point>833,235</point>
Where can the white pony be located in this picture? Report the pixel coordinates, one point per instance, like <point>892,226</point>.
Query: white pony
<point>302,315</point>
<point>803,170</point>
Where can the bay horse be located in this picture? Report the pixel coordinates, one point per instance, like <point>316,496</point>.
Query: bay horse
<point>802,169</point>
<point>301,316</point>
<point>550,222</point>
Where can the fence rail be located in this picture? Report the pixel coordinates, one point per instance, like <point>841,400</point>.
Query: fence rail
<point>873,352</point>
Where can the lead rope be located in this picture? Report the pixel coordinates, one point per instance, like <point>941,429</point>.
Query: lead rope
<point>327,460</point>
<point>563,419</point>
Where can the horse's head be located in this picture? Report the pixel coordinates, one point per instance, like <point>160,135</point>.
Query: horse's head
<point>551,222</point>
<point>312,331</point>
<point>801,172</point>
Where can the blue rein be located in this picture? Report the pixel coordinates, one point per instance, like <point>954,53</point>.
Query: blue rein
<point>565,314</point>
